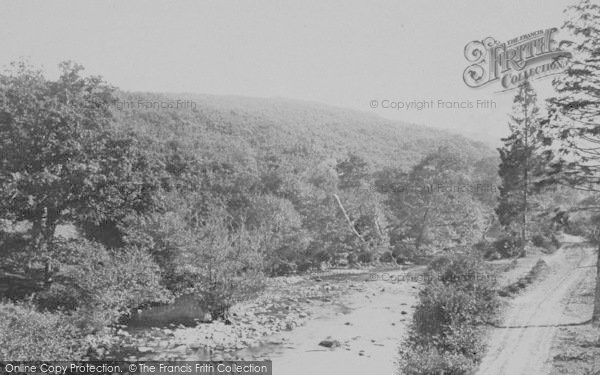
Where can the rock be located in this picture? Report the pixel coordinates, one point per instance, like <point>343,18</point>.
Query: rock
<point>347,324</point>
<point>330,343</point>
<point>403,312</point>
<point>180,348</point>
<point>144,349</point>
<point>163,344</point>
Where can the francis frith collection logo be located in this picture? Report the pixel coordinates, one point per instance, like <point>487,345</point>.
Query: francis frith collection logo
<point>529,56</point>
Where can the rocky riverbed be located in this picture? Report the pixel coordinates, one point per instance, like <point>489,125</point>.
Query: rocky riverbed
<point>363,313</point>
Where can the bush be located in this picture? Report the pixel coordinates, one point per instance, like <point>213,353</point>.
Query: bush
<point>538,240</point>
<point>13,251</point>
<point>351,258</point>
<point>508,246</point>
<point>401,256</point>
<point>445,335</point>
<point>215,258</point>
<point>322,256</point>
<point>486,249</point>
<point>303,265</point>
<point>467,271</point>
<point>219,295</point>
<point>102,283</point>
<point>386,257</point>
<point>442,306</point>
<point>423,360</point>
<point>545,241</point>
<point>28,335</point>
<point>281,268</point>
<point>364,257</point>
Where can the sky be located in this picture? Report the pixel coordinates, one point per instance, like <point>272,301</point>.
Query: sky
<point>344,53</point>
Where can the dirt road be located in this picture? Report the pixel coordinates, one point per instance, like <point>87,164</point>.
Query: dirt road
<point>532,316</point>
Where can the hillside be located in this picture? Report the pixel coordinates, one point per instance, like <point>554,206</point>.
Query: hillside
<point>305,127</point>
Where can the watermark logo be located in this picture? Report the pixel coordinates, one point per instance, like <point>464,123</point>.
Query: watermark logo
<point>155,104</point>
<point>530,56</point>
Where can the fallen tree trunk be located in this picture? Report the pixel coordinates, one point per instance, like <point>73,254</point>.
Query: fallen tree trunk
<point>350,224</point>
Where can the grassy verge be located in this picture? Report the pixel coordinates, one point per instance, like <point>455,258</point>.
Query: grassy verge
<point>576,349</point>
<point>524,281</point>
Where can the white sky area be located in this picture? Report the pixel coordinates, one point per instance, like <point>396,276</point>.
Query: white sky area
<point>343,53</point>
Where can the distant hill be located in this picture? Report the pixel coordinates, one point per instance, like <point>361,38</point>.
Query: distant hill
<point>255,125</point>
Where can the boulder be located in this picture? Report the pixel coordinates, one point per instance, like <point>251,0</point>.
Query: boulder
<point>330,343</point>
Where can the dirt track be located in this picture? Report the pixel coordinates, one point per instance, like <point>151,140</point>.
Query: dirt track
<point>525,347</point>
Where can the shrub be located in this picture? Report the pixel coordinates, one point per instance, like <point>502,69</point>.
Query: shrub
<point>546,241</point>
<point>216,259</point>
<point>386,257</point>
<point>28,335</point>
<point>322,256</point>
<point>508,246</point>
<point>445,335</point>
<point>423,360</point>
<point>401,255</point>
<point>102,283</point>
<point>486,249</point>
<point>538,240</point>
<point>13,251</point>
<point>220,294</point>
<point>303,265</point>
<point>468,271</point>
<point>442,306</point>
<point>351,259</point>
<point>280,267</point>
<point>364,257</point>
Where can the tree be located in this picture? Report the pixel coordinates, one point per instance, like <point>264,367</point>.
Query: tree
<point>573,126</point>
<point>518,160</point>
<point>60,158</point>
<point>361,208</point>
<point>433,203</point>
<point>352,171</point>
<point>201,252</point>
